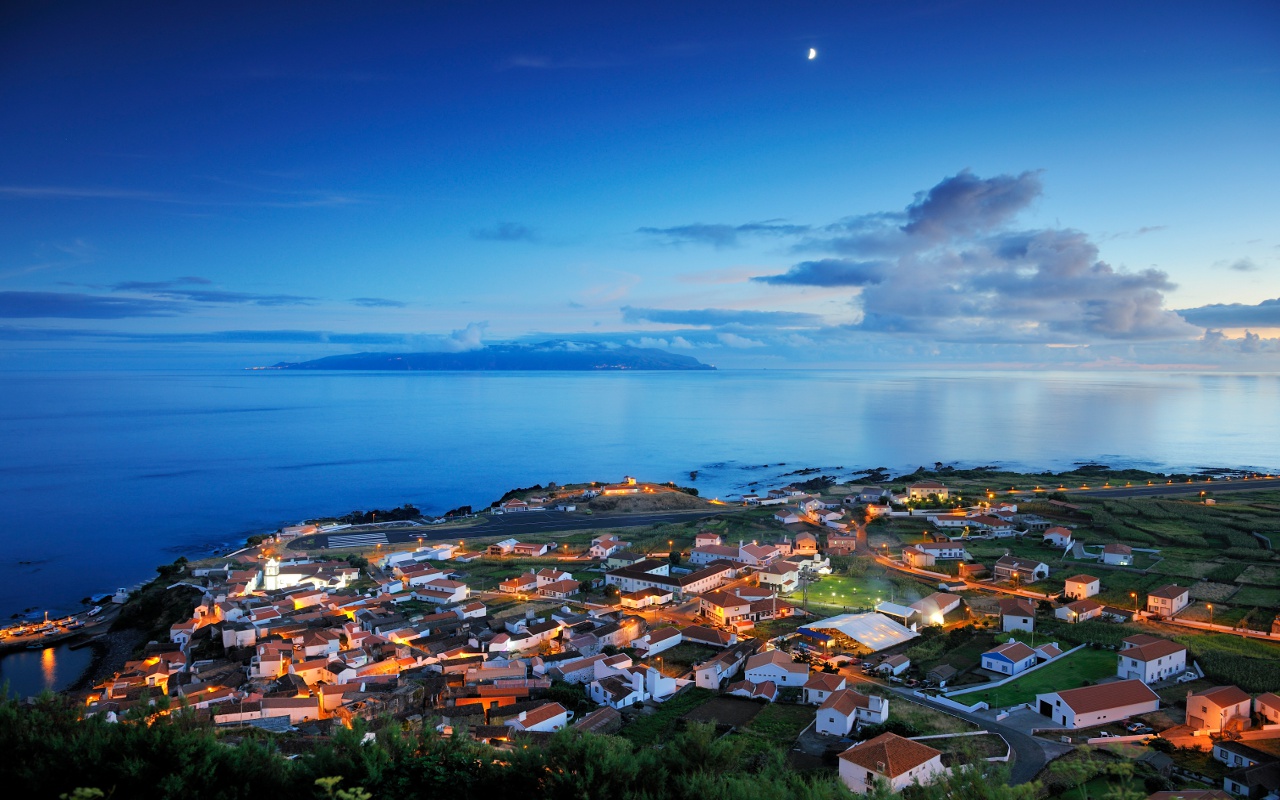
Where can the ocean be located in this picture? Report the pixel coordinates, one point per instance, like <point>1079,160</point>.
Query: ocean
<point>105,475</point>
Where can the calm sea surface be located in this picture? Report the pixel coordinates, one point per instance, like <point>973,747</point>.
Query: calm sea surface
<point>30,672</point>
<point>105,475</point>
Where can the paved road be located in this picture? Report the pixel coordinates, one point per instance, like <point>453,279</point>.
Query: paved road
<point>512,525</point>
<point>1234,485</point>
<point>1030,753</point>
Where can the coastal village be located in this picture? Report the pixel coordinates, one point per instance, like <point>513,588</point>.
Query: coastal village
<point>888,632</point>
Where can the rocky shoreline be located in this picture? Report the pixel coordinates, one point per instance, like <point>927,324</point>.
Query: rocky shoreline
<point>109,654</point>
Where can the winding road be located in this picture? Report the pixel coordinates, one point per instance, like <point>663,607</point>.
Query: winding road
<point>1030,754</point>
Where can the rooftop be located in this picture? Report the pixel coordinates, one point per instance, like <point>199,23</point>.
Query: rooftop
<point>1088,699</point>
<point>889,754</point>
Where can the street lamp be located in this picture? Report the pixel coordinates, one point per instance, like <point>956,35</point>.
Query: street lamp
<point>1134,595</point>
<point>1210,613</point>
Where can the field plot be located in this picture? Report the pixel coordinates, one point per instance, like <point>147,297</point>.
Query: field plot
<point>1179,568</point>
<point>1213,592</point>
<point>1078,669</point>
<point>681,658</point>
<point>650,728</point>
<point>961,653</point>
<point>1266,597</point>
<point>781,723</point>
<point>965,749</point>
<point>732,711</point>
<point>1260,575</point>
<point>923,720</point>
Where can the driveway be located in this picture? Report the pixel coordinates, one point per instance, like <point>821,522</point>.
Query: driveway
<point>1030,754</point>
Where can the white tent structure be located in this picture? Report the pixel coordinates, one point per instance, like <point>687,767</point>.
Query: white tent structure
<point>874,631</point>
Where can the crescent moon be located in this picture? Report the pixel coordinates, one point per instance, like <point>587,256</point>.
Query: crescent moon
<point>812,53</point>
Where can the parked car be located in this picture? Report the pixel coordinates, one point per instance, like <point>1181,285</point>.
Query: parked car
<point>1187,677</point>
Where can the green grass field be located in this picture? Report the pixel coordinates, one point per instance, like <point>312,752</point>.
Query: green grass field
<point>1068,673</point>
<point>926,721</point>
<point>837,592</point>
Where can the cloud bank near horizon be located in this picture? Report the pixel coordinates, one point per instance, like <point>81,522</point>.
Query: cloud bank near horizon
<point>952,275</point>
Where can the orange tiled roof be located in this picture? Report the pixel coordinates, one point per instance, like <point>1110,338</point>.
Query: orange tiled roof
<point>889,754</point>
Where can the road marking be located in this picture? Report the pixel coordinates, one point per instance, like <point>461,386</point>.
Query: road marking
<point>357,539</point>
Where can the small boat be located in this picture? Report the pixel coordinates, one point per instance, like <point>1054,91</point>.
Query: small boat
<point>35,646</point>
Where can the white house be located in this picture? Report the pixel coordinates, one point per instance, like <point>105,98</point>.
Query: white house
<point>1151,661</point>
<point>621,690</point>
<point>443,591</point>
<point>704,538</point>
<point>723,607</point>
<point>646,598</point>
<point>548,718</point>
<point>1079,587</point>
<point>1219,709</point>
<point>560,589</point>
<point>935,607</point>
<point>845,709</point>
<point>945,551</point>
<point>917,558</point>
<point>894,665</point>
<point>605,546</point>
<point>776,666</point>
<point>525,582</point>
<point>888,757</point>
<point>1027,570</point>
<point>1095,705</point>
<point>1238,754</point>
<point>924,489</point>
<point>725,664</point>
<point>531,549</point>
<point>822,685</point>
<point>1058,536</point>
<point>1168,600</point>
<point>787,515</point>
<point>1010,658</point>
<point>1120,555</point>
<point>655,642</point>
<point>1079,611</point>
<point>993,524</point>
<point>548,575</point>
<point>1017,614</point>
<point>754,691</point>
<point>782,575</point>
<point>951,519</point>
<point>1268,708</point>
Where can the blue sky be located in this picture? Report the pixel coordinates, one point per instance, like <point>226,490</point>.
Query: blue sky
<point>968,184</point>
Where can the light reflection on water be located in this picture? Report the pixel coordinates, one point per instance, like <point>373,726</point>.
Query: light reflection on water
<point>30,672</point>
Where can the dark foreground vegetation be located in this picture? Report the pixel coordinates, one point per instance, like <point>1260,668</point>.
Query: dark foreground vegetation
<point>50,752</point>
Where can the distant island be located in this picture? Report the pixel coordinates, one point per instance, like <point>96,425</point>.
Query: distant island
<point>552,355</point>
